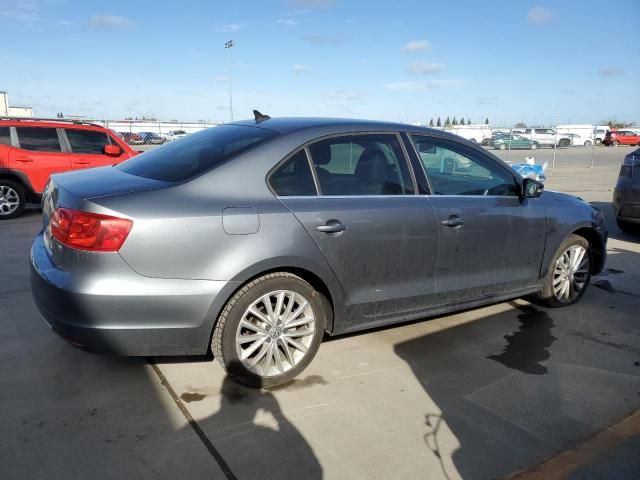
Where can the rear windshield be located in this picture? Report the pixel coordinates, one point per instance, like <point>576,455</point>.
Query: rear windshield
<point>195,153</point>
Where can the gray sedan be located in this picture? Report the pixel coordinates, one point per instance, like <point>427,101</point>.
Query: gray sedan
<point>254,239</point>
<point>626,195</point>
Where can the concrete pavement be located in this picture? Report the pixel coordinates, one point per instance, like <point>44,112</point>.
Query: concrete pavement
<point>476,395</point>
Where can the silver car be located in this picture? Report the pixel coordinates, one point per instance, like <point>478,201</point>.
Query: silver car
<point>255,239</point>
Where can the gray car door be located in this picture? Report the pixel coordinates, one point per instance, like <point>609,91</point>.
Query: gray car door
<point>491,240</point>
<point>380,239</point>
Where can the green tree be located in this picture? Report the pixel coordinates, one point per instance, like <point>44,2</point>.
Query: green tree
<point>486,121</point>
<point>447,122</point>
<point>455,122</point>
<point>462,121</point>
<point>431,122</point>
<point>520,125</point>
<point>468,120</point>
<point>439,122</point>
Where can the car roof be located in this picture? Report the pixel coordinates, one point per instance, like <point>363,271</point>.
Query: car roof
<point>286,125</point>
<point>51,123</point>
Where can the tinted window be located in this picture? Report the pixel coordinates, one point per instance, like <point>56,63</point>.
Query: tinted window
<point>456,170</point>
<point>196,153</point>
<point>38,139</point>
<point>541,130</point>
<point>5,136</point>
<point>85,141</point>
<point>293,177</point>
<point>361,165</point>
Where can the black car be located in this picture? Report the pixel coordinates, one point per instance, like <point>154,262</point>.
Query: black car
<point>626,195</point>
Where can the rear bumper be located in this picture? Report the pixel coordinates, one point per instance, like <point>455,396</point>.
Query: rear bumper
<point>129,315</point>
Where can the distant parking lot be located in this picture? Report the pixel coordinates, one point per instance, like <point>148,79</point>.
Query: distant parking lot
<point>476,395</point>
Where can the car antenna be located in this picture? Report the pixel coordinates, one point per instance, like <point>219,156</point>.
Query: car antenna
<point>260,117</point>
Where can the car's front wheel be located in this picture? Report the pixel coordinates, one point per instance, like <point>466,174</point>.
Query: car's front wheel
<point>270,330</point>
<point>569,274</point>
<point>533,146</point>
<point>615,143</point>
<point>12,199</point>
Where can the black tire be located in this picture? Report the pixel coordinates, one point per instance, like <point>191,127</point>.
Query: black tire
<point>546,296</point>
<point>564,143</point>
<point>533,146</point>
<point>223,341</point>
<point>628,227</point>
<point>598,141</point>
<point>22,199</point>
<point>615,143</point>
<point>502,146</point>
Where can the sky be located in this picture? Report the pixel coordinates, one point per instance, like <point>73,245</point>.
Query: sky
<point>409,61</point>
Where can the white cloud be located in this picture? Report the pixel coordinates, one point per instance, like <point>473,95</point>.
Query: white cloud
<point>539,15</point>
<point>298,68</point>
<point>63,23</point>
<point>324,39</point>
<point>425,67</point>
<point>230,28</point>
<point>422,85</point>
<point>289,22</point>
<point>22,11</point>
<point>416,46</point>
<point>611,72</point>
<point>312,3</point>
<point>110,22</point>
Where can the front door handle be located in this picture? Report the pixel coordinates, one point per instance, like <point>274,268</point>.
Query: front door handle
<point>24,159</point>
<point>81,162</point>
<point>453,222</point>
<point>332,226</point>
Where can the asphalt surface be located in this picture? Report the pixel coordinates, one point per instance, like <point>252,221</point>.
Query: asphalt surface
<point>481,394</point>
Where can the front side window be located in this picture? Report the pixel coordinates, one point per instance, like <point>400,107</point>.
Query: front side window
<point>5,136</point>
<point>457,170</point>
<point>86,141</point>
<point>196,153</point>
<point>293,177</point>
<point>361,165</point>
<point>38,139</point>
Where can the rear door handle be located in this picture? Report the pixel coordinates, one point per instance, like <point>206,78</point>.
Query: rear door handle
<point>24,159</point>
<point>332,226</point>
<point>453,222</point>
<point>81,162</point>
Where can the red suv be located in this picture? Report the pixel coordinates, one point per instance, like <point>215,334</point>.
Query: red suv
<point>33,149</point>
<point>621,137</point>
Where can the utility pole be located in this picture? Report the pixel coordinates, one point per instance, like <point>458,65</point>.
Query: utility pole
<point>228,45</point>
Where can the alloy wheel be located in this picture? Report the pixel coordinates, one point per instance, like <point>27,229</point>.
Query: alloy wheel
<point>9,200</point>
<point>275,333</point>
<point>571,273</point>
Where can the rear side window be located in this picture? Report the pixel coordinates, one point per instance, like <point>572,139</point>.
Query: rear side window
<point>196,153</point>
<point>361,165</point>
<point>293,177</point>
<point>5,136</point>
<point>86,141</point>
<point>38,139</point>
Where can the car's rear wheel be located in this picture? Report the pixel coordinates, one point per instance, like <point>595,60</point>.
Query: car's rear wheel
<point>12,199</point>
<point>587,143</point>
<point>569,274</point>
<point>502,146</point>
<point>564,143</point>
<point>270,330</point>
<point>533,146</point>
<point>615,143</point>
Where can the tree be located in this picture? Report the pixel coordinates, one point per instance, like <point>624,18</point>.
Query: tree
<point>439,122</point>
<point>520,125</point>
<point>468,120</point>
<point>462,121</point>
<point>455,122</point>
<point>447,122</point>
<point>431,122</point>
<point>486,121</point>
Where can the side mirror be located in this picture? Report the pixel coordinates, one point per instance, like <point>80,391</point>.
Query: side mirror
<point>112,150</point>
<point>531,188</point>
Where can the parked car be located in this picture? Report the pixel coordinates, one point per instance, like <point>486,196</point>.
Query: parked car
<point>613,138</point>
<point>626,195</point>
<point>341,225</point>
<point>599,133</point>
<point>505,141</point>
<point>176,134</point>
<point>151,138</point>
<point>33,149</point>
<point>546,137</point>
<point>132,138</point>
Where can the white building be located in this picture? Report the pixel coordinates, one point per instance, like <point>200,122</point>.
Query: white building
<point>7,111</point>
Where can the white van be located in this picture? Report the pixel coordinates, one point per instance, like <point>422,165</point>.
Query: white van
<point>580,134</point>
<point>476,133</point>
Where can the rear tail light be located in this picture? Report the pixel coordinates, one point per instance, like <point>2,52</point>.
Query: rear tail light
<point>89,231</point>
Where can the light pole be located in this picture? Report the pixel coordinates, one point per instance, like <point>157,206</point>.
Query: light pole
<point>228,45</point>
